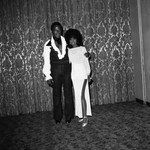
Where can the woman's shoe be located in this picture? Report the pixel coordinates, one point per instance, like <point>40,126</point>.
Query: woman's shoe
<point>85,122</point>
<point>80,120</point>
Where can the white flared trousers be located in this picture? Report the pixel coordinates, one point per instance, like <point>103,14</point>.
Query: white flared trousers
<point>78,84</point>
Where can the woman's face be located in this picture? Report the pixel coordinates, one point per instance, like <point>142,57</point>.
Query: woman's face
<point>73,42</point>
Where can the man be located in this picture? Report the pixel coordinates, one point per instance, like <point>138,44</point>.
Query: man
<point>57,71</point>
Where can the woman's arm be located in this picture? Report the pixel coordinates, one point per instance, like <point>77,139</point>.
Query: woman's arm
<point>86,61</point>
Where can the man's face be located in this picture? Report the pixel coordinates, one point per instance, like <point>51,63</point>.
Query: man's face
<point>56,32</point>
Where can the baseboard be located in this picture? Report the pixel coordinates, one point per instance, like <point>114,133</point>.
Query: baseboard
<point>139,101</point>
<point>148,104</point>
<point>142,102</point>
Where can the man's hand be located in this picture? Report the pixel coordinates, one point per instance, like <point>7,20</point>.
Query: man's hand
<point>87,54</point>
<point>50,82</point>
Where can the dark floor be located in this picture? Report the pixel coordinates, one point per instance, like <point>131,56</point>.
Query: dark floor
<point>122,126</point>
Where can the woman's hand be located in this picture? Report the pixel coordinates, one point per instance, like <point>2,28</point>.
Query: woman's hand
<point>90,80</point>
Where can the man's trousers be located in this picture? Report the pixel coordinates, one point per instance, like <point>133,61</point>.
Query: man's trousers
<point>61,74</point>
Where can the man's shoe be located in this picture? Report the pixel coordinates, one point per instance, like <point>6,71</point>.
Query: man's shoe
<point>57,121</point>
<point>68,121</point>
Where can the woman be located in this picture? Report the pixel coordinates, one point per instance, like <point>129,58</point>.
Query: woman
<point>80,74</point>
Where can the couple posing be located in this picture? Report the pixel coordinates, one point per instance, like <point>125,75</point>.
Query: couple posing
<point>66,64</point>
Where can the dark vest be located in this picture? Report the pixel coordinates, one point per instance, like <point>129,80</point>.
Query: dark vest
<point>54,56</point>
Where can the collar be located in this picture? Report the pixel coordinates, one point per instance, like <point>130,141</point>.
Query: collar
<point>60,55</point>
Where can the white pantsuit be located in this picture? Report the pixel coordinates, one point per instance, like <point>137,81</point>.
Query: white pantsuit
<point>80,72</point>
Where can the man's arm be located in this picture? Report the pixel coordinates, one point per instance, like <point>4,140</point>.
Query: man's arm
<point>46,67</point>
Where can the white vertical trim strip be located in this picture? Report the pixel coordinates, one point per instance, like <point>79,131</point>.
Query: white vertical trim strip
<point>141,50</point>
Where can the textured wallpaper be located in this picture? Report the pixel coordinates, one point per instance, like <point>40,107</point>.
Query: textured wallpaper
<point>25,27</point>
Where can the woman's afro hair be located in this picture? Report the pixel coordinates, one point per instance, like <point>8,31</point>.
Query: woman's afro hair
<point>74,33</point>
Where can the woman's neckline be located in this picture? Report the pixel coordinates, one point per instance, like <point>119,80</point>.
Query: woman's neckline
<point>76,47</point>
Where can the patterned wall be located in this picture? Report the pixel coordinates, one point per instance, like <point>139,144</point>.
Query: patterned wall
<point>24,28</point>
